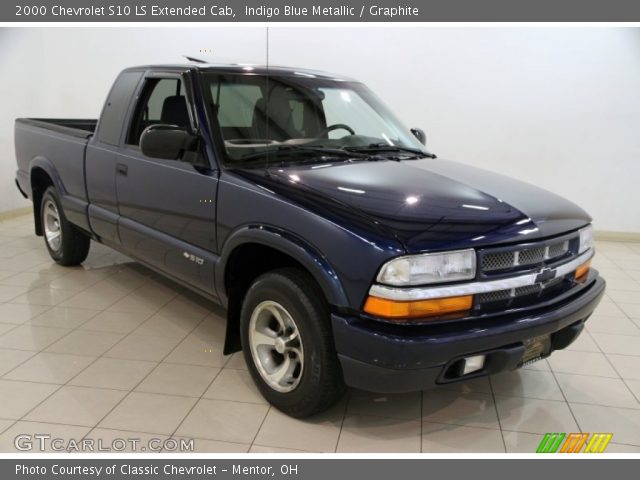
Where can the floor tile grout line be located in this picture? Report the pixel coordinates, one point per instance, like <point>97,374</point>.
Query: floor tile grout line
<point>121,430</point>
<point>421,421</point>
<point>552,371</point>
<point>76,328</point>
<point>344,417</point>
<point>71,330</point>
<point>28,320</point>
<point>15,326</point>
<point>264,419</point>
<point>74,293</point>
<point>491,429</point>
<point>149,373</point>
<point>199,399</point>
<point>296,450</point>
<point>65,384</point>
<point>636,396</point>
<point>53,353</point>
<point>575,374</point>
<point>111,389</point>
<point>11,424</point>
<point>495,406</point>
<point>575,419</point>
<point>61,386</point>
<point>606,353</point>
<point>624,380</point>
<point>576,402</point>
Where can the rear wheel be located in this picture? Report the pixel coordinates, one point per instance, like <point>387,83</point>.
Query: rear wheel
<point>66,245</point>
<point>288,345</point>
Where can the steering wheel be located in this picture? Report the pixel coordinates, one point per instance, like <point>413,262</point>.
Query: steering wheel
<point>337,126</point>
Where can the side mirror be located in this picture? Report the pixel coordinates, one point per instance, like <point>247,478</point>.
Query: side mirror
<point>168,142</point>
<point>420,135</point>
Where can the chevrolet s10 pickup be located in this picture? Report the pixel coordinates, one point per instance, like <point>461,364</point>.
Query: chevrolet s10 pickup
<point>344,252</point>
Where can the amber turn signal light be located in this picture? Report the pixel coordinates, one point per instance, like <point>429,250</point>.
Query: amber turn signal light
<point>384,308</point>
<point>583,270</point>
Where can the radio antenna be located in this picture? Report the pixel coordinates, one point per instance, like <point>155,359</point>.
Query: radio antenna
<point>194,59</point>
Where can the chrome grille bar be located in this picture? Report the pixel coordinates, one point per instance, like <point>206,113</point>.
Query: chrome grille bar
<point>472,288</point>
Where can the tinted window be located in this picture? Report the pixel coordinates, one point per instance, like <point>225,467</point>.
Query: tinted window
<point>162,101</point>
<point>116,107</point>
<point>294,117</point>
<point>236,103</point>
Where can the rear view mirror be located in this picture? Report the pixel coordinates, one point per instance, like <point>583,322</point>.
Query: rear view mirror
<point>168,142</point>
<point>420,135</point>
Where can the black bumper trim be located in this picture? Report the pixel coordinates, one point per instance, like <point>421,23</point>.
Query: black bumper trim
<point>381,363</point>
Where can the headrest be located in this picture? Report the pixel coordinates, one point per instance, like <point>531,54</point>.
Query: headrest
<point>175,111</point>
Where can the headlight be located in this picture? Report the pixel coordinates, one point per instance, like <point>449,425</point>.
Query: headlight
<point>586,239</point>
<point>429,268</point>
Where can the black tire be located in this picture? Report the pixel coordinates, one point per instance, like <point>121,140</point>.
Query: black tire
<point>320,383</point>
<point>73,246</point>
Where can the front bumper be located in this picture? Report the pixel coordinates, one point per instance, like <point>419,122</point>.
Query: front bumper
<point>388,358</point>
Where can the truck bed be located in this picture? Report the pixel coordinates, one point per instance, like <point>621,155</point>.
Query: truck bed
<point>82,128</point>
<point>56,147</point>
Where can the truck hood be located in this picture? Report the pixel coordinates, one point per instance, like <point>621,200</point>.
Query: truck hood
<point>431,204</point>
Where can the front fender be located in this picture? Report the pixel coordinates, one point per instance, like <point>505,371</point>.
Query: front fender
<point>289,244</point>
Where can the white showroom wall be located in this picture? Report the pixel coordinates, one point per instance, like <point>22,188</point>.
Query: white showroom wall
<point>67,72</point>
<point>558,107</point>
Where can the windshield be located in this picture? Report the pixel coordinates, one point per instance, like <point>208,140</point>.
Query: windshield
<point>297,118</point>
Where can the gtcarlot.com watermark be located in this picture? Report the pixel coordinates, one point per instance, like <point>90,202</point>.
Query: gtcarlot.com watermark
<point>46,443</point>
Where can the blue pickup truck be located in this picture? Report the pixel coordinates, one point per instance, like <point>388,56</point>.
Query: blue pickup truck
<point>344,252</point>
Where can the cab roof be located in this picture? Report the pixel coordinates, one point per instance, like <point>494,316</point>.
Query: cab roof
<point>248,68</point>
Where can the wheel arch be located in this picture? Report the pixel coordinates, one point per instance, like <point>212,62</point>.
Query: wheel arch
<point>256,249</point>
<point>42,175</point>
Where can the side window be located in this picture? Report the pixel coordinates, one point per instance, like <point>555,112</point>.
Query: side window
<point>162,101</point>
<point>116,106</point>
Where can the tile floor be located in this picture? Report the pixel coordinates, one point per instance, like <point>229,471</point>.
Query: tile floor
<point>110,350</point>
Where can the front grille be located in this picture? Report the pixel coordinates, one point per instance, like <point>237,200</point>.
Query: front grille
<point>531,256</point>
<point>514,260</point>
<point>501,295</point>
<point>497,261</point>
<point>522,296</point>
<point>558,249</point>
<point>525,257</point>
<point>496,296</point>
<point>528,290</point>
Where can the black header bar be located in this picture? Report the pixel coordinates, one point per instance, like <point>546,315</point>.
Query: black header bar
<point>320,11</point>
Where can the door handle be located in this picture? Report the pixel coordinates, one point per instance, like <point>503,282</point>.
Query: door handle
<point>122,169</point>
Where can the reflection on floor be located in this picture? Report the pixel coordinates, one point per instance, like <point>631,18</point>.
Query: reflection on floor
<point>112,351</point>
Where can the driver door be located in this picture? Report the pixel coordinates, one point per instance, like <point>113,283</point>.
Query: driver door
<point>167,207</point>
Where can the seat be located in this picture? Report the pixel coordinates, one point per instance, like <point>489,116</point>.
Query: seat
<point>175,111</point>
<point>313,119</point>
<point>280,125</point>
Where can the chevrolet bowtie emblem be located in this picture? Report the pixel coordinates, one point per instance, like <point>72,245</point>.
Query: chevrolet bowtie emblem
<point>545,275</point>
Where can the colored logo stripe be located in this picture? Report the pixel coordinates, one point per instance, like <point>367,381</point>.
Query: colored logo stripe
<point>598,442</point>
<point>574,443</point>
<point>550,443</point>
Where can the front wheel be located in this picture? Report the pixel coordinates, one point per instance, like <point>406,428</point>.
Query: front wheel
<point>66,245</point>
<point>288,345</point>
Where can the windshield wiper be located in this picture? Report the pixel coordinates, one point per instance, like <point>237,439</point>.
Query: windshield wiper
<point>385,147</point>
<point>288,150</point>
